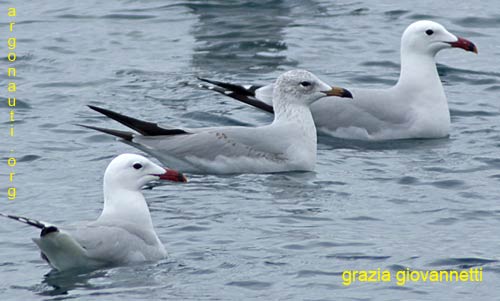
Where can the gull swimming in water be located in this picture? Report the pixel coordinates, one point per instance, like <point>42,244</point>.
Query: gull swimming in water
<point>416,107</point>
<point>287,144</point>
<point>123,234</point>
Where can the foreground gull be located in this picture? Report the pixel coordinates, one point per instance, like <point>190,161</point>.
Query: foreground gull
<point>287,144</point>
<point>124,232</point>
<point>416,107</point>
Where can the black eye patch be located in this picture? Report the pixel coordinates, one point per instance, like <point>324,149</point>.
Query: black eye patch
<point>305,84</point>
<point>137,166</point>
<point>429,32</point>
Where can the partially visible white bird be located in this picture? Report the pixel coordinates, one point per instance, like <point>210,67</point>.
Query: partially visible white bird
<point>287,144</point>
<point>416,107</point>
<point>123,234</point>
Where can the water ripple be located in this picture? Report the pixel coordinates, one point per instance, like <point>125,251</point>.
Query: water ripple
<point>478,22</point>
<point>252,285</point>
<point>463,263</point>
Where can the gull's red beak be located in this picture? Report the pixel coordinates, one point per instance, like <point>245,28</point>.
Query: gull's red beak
<point>464,44</point>
<point>173,175</point>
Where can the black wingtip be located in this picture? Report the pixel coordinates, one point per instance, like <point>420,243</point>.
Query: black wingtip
<point>24,220</point>
<point>127,121</point>
<point>120,134</point>
<point>143,127</point>
<point>238,89</point>
<point>208,81</point>
<point>239,93</point>
<point>96,108</point>
<point>48,230</point>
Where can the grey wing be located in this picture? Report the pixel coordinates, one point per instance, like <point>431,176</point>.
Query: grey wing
<point>118,244</point>
<point>370,109</point>
<point>208,145</point>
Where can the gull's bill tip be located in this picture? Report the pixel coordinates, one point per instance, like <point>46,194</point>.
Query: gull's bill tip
<point>464,44</point>
<point>173,175</point>
<point>340,92</point>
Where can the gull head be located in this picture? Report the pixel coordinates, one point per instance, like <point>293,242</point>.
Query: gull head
<point>302,87</point>
<point>131,172</point>
<point>428,38</point>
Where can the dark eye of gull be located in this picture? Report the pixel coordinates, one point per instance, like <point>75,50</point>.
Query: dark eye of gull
<point>429,32</point>
<point>137,165</point>
<point>305,84</point>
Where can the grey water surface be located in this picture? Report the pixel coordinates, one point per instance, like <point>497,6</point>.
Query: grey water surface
<point>418,204</point>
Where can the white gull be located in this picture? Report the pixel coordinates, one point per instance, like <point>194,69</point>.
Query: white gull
<point>123,233</point>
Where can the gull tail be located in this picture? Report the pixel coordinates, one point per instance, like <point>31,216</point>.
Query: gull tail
<point>245,94</point>
<point>57,247</point>
<point>143,127</point>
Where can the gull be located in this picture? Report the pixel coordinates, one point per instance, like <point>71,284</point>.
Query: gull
<point>123,234</point>
<point>416,107</point>
<point>287,144</point>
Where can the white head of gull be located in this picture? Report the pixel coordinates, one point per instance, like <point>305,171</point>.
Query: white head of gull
<point>420,43</point>
<point>296,90</point>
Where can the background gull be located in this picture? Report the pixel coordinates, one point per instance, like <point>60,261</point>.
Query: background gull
<point>416,107</point>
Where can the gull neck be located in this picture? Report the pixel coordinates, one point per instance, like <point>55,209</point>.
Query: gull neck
<point>418,70</point>
<point>127,205</point>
